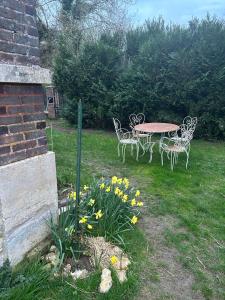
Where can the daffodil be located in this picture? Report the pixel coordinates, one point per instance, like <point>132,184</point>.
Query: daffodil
<point>114,180</point>
<point>125,198</point>
<point>134,220</point>
<point>117,191</point>
<point>133,202</point>
<point>138,193</point>
<point>73,195</point>
<point>140,203</point>
<point>91,202</point>
<point>114,259</point>
<point>119,180</point>
<point>83,220</point>
<point>126,183</point>
<point>102,186</point>
<point>89,226</point>
<point>98,214</point>
<point>108,189</point>
<point>120,193</point>
<point>86,187</point>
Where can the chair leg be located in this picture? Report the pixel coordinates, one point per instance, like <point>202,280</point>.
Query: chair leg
<point>137,156</point>
<point>187,153</point>
<point>124,152</point>
<point>151,153</point>
<point>132,149</point>
<point>171,160</point>
<point>118,149</point>
<point>162,157</point>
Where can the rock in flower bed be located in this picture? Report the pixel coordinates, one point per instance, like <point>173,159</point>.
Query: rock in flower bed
<point>102,254</point>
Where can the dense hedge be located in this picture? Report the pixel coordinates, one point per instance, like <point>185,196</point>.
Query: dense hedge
<point>167,72</point>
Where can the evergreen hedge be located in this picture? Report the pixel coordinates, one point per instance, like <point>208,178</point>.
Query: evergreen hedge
<point>167,72</point>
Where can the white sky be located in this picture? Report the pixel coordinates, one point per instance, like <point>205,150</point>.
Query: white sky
<point>179,11</point>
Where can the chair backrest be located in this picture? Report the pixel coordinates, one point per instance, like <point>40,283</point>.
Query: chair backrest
<point>117,126</point>
<point>190,123</point>
<point>185,140</point>
<point>120,132</point>
<point>136,119</point>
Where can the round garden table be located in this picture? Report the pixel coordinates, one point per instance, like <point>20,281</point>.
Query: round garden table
<point>152,128</point>
<point>156,127</point>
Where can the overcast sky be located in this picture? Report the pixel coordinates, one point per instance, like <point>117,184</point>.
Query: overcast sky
<point>179,11</point>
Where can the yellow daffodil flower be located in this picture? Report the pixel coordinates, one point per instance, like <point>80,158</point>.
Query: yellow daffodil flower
<point>114,259</point>
<point>134,220</point>
<point>140,203</point>
<point>117,191</point>
<point>83,220</point>
<point>73,195</point>
<point>126,183</point>
<point>108,189</point>
<point>119,180</point>
<point>98,214</point>
<point>120,193</point>
<point>114,180</point>
<point>89,226</point>
<point>138,193</point>
<point>86,187</point>
<point>133,202</point>
<point>102,186</point>
<point>125,198</point>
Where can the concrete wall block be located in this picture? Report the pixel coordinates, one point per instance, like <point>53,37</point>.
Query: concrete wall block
<point>26,207</point>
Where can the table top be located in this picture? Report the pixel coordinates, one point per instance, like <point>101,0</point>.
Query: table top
<point>156,127</point>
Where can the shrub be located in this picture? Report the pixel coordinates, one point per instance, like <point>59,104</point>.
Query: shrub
<point>167,72</point>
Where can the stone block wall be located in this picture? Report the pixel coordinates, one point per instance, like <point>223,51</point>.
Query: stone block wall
<point>22,122</point>
<point>19,43</point>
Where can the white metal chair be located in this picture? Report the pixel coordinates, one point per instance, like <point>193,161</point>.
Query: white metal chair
<point>174,148</point>
<point>189,124</point>
<point>136,119</point>
<point>125,138</point>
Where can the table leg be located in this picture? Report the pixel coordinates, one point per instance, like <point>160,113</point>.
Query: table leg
<point>160,141</point>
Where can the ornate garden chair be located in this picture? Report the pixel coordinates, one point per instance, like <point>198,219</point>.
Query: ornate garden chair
<point>187,127</point>
<point>136,120</point>
<point>125,138</point>
<point>144,138</point>
<point>174,147</point>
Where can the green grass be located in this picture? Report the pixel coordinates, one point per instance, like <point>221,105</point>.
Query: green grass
<point>194,197</point>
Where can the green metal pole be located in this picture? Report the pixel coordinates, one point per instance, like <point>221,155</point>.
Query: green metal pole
<point>79,133</point>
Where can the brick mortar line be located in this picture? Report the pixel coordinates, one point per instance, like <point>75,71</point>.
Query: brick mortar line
<point>22,133</point>
<point>21,95</point>
<point>15,21</point>
<point>23,150</point>
<point>25,45</point>
<point>19,114</point>
<point>27,35</point>
<point>5,41</point>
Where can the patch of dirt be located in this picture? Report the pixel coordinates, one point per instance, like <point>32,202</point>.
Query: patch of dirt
<point>83,263</point>
<point>175,282</point>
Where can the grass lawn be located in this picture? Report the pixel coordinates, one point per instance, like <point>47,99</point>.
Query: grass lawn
<point>194,198</point>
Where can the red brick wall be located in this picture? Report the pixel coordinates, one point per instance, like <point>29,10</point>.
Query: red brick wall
<point>19,43</point>
<point>22,122</point>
